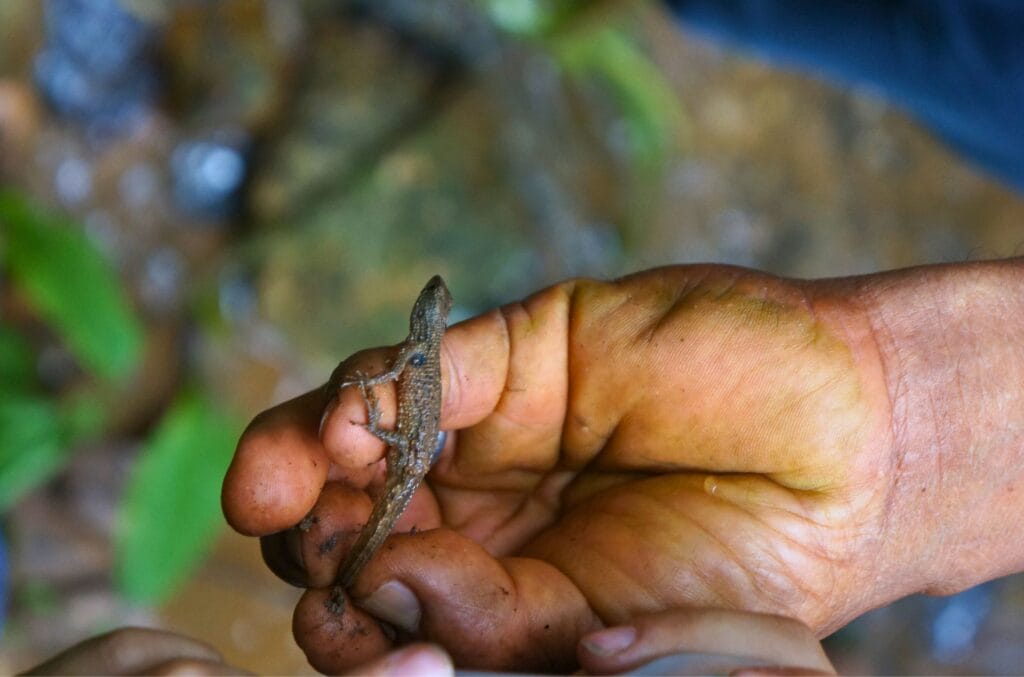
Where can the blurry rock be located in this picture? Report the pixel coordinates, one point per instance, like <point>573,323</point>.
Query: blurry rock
<point>162,284</point>
<point>95,68</point>
<point>73,181</point>
<point>208,175</point>
<point>140,185</point>
<point>104,40</point>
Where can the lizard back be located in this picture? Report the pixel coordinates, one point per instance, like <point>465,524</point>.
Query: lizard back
<point>412,443</point>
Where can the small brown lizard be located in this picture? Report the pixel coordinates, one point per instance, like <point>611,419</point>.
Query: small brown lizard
<point>414,440</point>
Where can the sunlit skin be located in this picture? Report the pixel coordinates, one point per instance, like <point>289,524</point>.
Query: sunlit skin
<point>693,435</point>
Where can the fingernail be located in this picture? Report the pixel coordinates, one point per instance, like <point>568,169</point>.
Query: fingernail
<point>442,437</point>
<point>418,660</point>
<point>610,641</point>
<point>395,603</point>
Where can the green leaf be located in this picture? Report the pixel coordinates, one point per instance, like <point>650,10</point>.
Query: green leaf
<point>30,445</point>
<point>17,363</point>
<point>71,285</point>
<point>171,510</point>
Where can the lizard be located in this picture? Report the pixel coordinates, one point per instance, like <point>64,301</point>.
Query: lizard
<point>414,442</point>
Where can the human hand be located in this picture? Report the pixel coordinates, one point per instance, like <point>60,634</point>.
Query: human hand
<point>143,651</point>
<point>688,436</point>
<point>137,651</point>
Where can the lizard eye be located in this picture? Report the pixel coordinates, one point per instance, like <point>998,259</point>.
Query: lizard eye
<point>417,360</point>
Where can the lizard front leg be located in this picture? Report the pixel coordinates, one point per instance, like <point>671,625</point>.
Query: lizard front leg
<point>409,351</point>
<point>406,352</point>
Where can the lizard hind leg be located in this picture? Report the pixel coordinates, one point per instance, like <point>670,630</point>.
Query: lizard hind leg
<point>373,412</point>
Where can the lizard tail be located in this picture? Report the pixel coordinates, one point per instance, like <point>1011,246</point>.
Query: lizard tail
<point>388,509</point>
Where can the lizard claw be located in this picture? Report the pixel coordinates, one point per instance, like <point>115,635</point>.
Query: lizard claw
<point>359,379</point>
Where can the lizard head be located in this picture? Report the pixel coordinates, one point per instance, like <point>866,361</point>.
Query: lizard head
<point>430,313</point>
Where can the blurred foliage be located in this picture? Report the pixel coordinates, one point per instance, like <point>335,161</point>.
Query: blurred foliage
<point>587,46</point>
<point>31,447</point>
<point>58,271</point>
<point>590,47</point>
<point>171,509</point>
<point>72,287</point>
<point>15,362</point>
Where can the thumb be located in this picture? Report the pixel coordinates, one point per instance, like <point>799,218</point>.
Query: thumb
<point>705,641</point>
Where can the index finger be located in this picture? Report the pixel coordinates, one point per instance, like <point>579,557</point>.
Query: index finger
<point>279,468</point>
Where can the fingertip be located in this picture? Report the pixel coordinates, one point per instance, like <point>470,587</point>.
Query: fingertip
<point>278,469</point>
<point>335,635</point>
<point>346,441</point>
<point>608,641</point>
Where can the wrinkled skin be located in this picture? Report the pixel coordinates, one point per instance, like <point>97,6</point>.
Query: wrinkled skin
<point>687,436</point>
